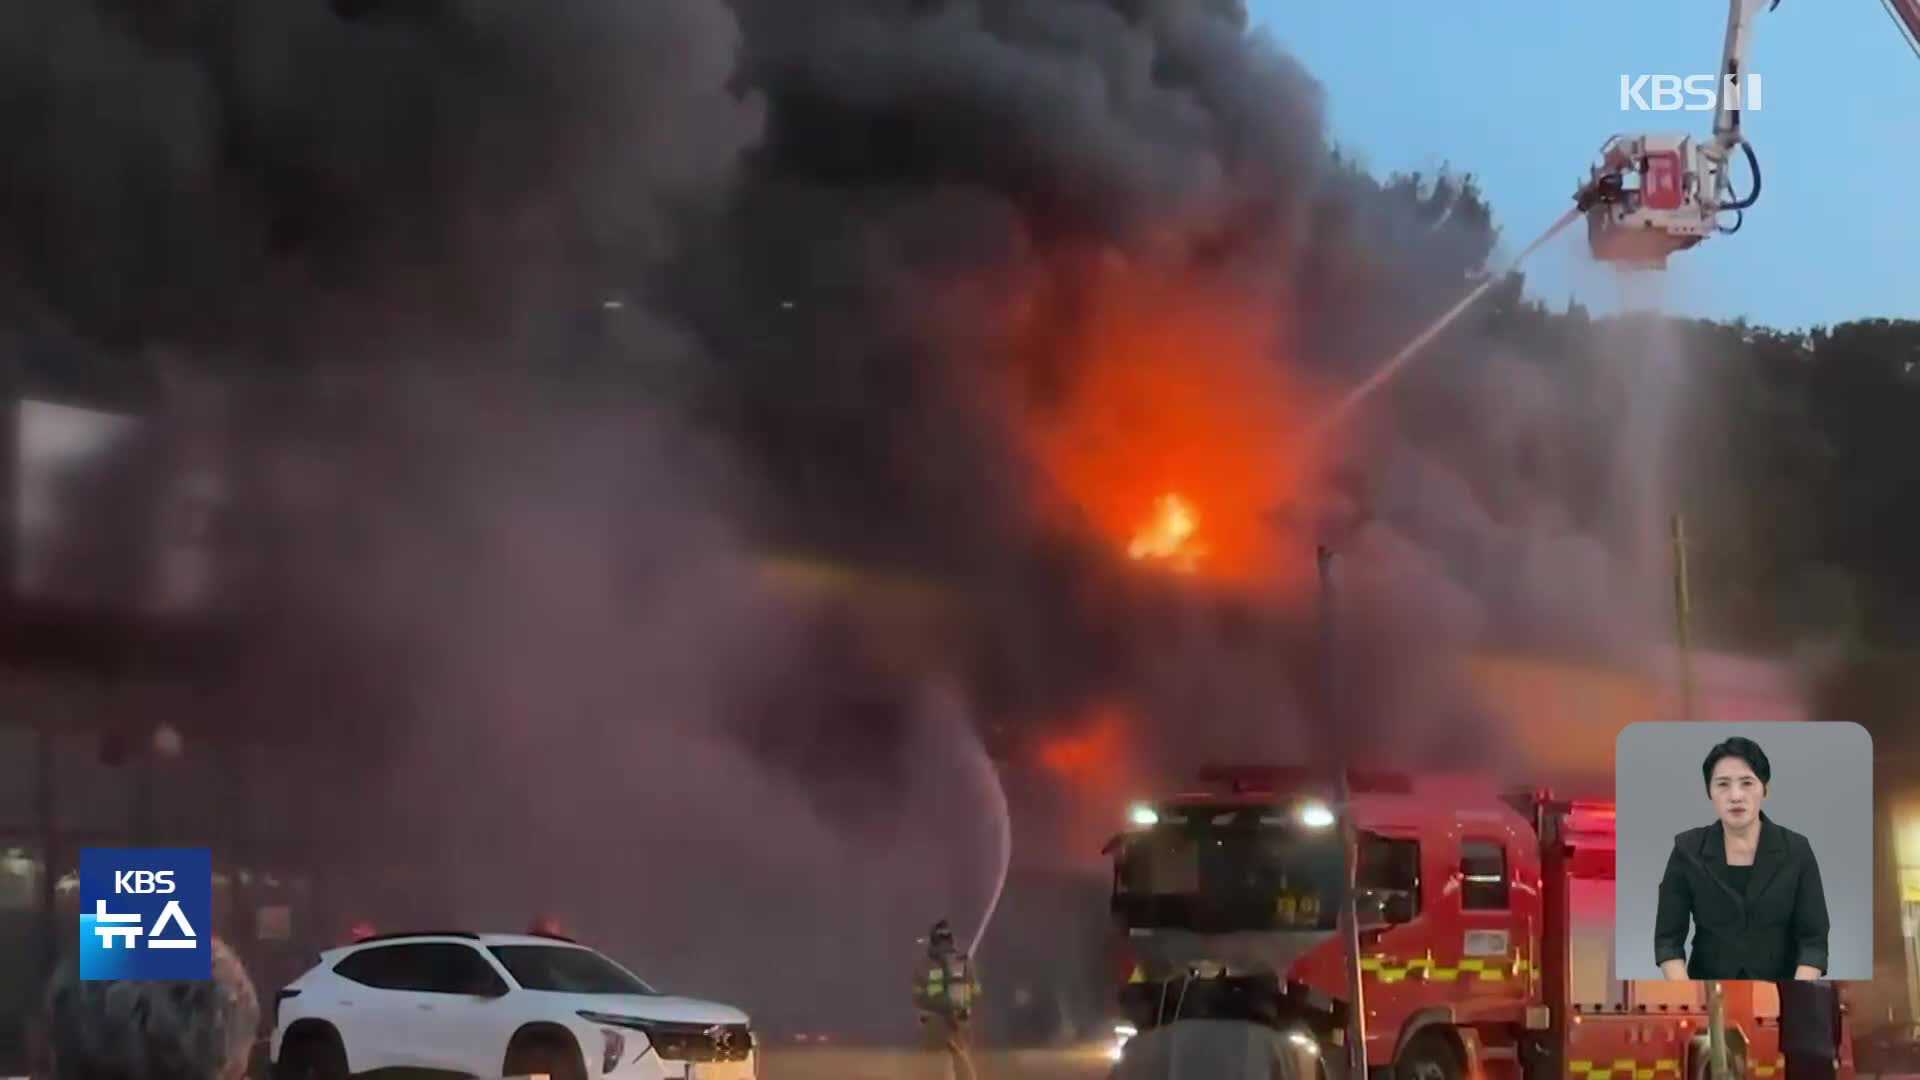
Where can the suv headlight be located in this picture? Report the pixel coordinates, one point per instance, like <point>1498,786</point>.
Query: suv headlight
<point>613,1046</point>
<point>683,1041</point>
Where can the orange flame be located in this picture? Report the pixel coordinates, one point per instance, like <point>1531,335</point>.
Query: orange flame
<point>1170,536</point>
<point>1096,761</point>
<point>1089,756</point>
<point>1176,440</point>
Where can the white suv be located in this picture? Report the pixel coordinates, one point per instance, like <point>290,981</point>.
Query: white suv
<point>493,1005</point>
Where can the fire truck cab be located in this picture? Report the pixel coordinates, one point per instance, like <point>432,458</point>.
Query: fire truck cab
<point>1485,931</point>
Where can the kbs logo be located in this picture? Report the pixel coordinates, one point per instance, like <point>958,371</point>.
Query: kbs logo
<point>141,882</point>
<point>145,913</point>
<point>1691,93</point>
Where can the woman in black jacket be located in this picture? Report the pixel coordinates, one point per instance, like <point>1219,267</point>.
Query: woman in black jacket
<point>1749,887</point>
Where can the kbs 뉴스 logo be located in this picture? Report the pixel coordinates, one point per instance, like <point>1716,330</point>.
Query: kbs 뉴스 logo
<point>146,913</point>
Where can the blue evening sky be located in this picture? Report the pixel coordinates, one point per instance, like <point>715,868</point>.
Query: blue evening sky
<point>1521,93</point>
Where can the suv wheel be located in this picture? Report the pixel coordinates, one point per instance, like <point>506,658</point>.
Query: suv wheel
<point>311,1054</point>
<point>545,1055</point>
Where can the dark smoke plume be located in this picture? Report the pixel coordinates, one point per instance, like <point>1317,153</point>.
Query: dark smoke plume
<point>244,173</point>
<point>536,325</point>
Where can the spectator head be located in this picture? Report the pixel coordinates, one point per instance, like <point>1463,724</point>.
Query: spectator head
<point>119,1030</point>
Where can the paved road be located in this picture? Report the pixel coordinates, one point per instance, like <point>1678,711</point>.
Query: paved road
<point>816,1064</point>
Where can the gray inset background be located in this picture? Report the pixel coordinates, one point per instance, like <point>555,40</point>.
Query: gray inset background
<point>1822,788</point>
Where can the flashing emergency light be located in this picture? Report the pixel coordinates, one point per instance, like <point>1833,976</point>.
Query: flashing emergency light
<point>1316,816</point>
<point>547,926</point>
<point>1144,816</point>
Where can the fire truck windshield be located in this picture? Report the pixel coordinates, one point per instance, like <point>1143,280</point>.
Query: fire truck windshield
<point>1234,871</point>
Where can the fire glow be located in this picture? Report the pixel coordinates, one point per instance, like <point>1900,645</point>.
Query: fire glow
<point>1093,758</point>
<point>1175,440</point>
<point>1091,755</point>
<point>1170,536</point>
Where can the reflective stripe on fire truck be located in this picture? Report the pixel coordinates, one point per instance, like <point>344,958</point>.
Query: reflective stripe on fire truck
<point>1629,1069</point>
<point>1623,1069</point>
<point>1390,969</point>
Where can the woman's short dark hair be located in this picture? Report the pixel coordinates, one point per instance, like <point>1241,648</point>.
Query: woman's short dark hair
<point>1737,747</point>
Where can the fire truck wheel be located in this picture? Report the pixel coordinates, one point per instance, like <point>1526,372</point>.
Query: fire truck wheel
<point>1428,1056</point>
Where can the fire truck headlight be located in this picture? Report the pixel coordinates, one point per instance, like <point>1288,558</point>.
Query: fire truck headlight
<point>1315,816</point>
<point>1144,816</point>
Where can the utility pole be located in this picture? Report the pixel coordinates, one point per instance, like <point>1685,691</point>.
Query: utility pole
<point>1683,615</point>
<point>1356,1032</point>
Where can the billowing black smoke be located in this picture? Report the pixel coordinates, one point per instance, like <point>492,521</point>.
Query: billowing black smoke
<point>914,150</point>
<point>247,173</point>
<point>538,324</point>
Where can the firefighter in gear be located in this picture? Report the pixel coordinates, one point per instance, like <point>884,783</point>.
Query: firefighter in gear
<point>945,991</point>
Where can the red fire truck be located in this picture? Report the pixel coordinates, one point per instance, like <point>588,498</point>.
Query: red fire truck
<point>1485,931</point>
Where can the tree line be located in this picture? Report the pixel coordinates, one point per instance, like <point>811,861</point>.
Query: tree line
<point>1794,455</point>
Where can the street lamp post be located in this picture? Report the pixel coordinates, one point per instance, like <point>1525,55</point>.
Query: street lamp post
<point>1356,1030</point>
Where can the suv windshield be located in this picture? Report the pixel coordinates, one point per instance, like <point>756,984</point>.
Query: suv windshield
<point>568,971</point>
<point>1235,870</point>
